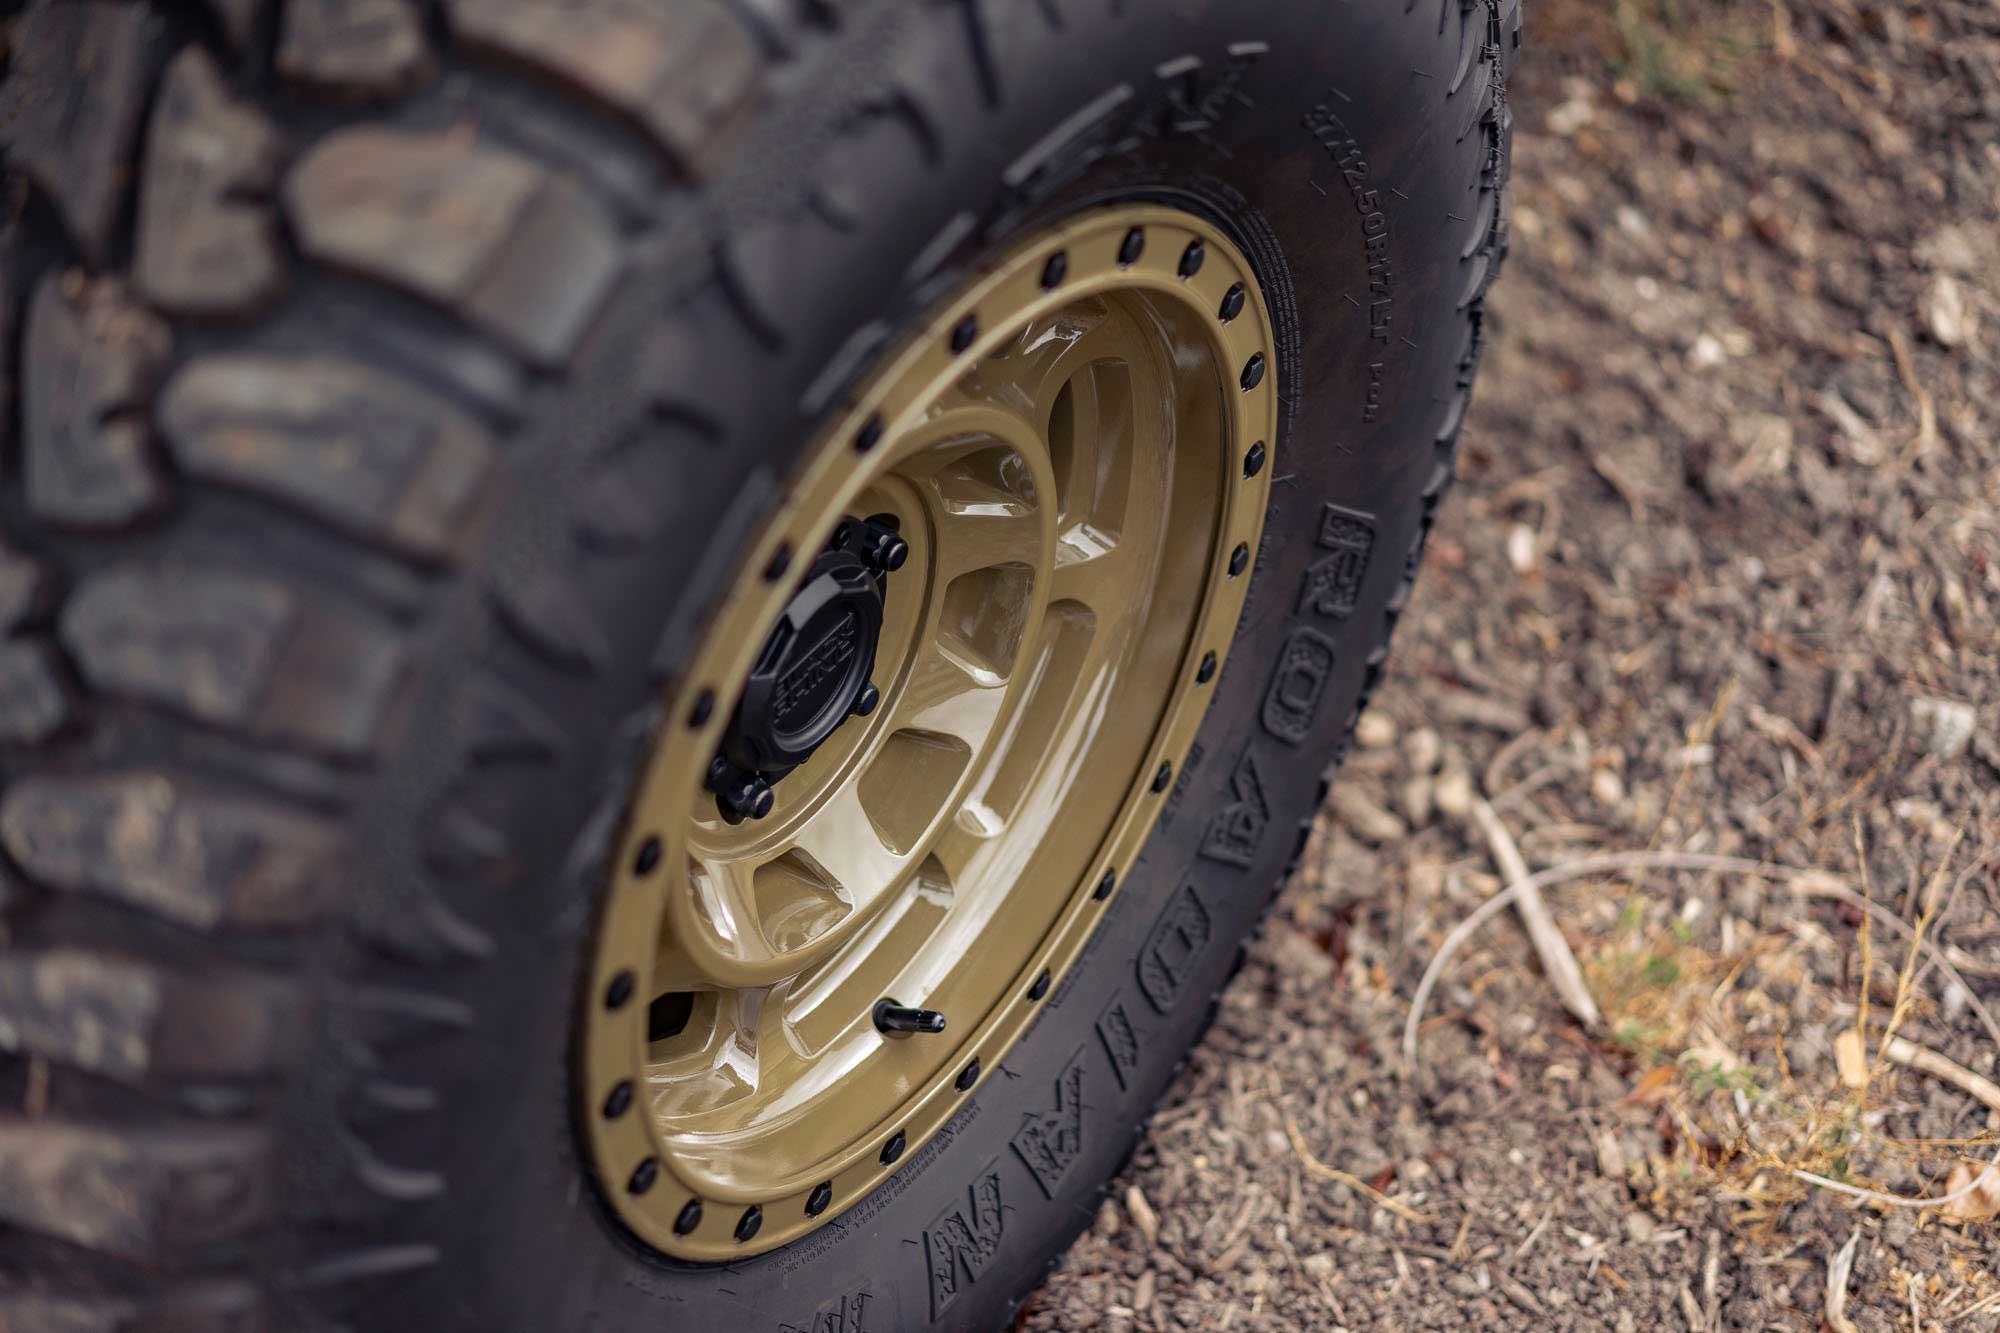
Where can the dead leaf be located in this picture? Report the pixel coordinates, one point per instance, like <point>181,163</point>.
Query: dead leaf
<point>1654,1086</point>
<point>1982,1204</point>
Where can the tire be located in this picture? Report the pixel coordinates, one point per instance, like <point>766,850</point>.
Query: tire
<point>395,383</point>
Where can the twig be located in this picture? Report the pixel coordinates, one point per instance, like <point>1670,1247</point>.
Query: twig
<point>1837,1274</point>
<point>1550,946</point>
<point>1320,1169</point>
<point>1912,1056</point>
<point>1807,883</point>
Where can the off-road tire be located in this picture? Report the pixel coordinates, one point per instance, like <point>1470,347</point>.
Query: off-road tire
<point>392,383</point>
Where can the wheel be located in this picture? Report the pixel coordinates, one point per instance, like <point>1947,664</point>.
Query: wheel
<point>656,654</point>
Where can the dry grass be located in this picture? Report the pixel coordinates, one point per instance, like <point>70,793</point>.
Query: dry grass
<point>1693,51</point>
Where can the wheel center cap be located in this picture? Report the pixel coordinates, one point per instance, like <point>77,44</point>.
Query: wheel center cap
<point>813,667</point>
<point>814,670</point>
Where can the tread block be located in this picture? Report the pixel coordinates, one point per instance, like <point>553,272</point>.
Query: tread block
<point>210,1307</point>
<point>27,588</point>
<point>358,48</point>
<point>362,450</point>
<point>505,245</point>
<point>235,650</point>
<point>156,842</point>
<point>126,1020</point>
<point>237,17</point>
<point>682,71</point>
<point>548,611</point>
<point>70,108</point>
<point>33,703</point>
<point>92,359</point>
<point>141,1194</point>
<point>208,242</point>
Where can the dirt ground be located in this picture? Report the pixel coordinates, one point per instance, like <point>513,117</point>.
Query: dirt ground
<point>1721,575</point>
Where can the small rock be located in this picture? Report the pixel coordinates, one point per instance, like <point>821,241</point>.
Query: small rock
<point>1318,1266</point>
<point>1610,1156</point>
<point>1521,553</point>
<point>1108,1221</point>
<point>1376,730</point>
<point>1947,723</point>
<point>1640,1227</point>
<point>1454,794</point>
<point>1607,787</point>
<point>1364,818</point>
<point>1575,112</point>
<point>1707,351</point>
<point>1423,748</point>
<point>1947,317</point>
<point>1142,1214</point>
<point>1142,1292</point>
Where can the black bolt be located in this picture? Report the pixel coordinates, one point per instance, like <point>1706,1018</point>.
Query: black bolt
<point>1132,247</point>
<point>1253,371</point>
<point>1253,462</point>
<point>619,992</point>
<point>643,1176</point>
<point>869,435</point>
<point>750,1223</point>
<point>1162,778</point>
<point>1192,257</point>
<point>966,330</point>
<point>703,710</point>
<point>619,1102</point>
<point>817,1201</point>
<point>1232,303</point>
<point>893,1017</point>
<point>876,540</point>
<point>744,796</point>
<point>1206,672</point>
<point>967,1076</point>
<point>1055,270</point>
<point>864,702</point>
<point>1239,559</point>
<point>648,859</point>
<point>781,560</point>
<point>1041,986</point>
<point>1105,886</point>
<point>894,1147</point>
<point>689,1219</point>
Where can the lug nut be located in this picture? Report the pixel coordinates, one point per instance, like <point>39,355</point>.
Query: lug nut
<point>864,702</point>
<point>744,796</point>
<point>892,1017</point>
<point>877,541</point>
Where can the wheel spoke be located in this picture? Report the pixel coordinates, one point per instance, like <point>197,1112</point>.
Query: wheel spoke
<point>985,534</point>
<point>948,697</point>
<point>844,845</point>
<point>725,900</point>
<point>1098,572</point>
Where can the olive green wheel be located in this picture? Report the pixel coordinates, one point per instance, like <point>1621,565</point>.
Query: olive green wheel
<point>938,709</point>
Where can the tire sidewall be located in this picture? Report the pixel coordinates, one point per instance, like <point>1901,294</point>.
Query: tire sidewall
<point>1306,131</point>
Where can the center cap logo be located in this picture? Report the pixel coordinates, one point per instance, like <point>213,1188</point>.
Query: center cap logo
<point>810,680</point>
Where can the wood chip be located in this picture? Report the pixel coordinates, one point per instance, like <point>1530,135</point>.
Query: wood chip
<point>1143,1216</point>
<point>1837,1274</point>
<point>1851,1059</point>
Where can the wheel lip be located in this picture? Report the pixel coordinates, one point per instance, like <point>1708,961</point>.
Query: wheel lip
<point>612,1042</point>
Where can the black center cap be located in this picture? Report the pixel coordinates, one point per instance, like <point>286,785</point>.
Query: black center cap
<point>814,669</point>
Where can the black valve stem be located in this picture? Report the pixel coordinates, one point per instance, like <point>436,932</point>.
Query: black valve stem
<point>894,1018</point>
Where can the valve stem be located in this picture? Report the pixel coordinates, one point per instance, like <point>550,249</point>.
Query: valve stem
<point>892,1017</point>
